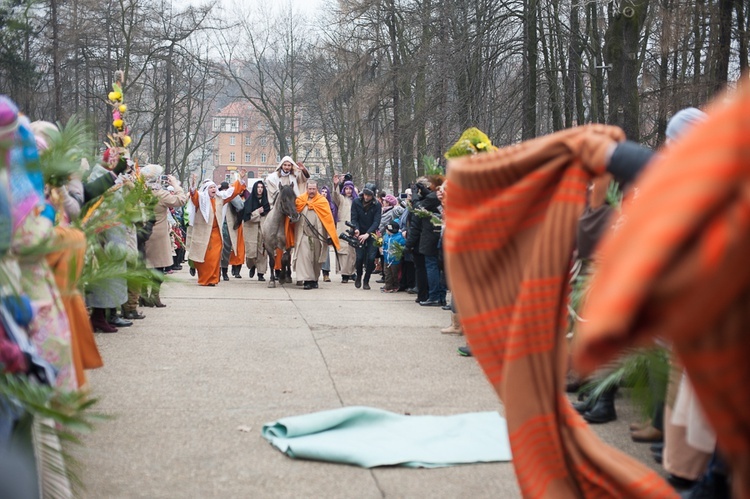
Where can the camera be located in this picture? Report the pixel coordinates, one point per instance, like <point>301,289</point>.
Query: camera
<point>349,236</point>
<point>404,195</point>
<point>164,180</point>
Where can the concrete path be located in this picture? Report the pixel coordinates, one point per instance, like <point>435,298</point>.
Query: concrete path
<point>191,385</point>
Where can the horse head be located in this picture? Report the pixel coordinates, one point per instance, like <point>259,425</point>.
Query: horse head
<point>287,203</point>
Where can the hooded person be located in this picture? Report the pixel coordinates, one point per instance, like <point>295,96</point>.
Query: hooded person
<point>256,208</point>
<point>159,244</point>
<point>366,214</point>
<point>325,191</point>
<point>312,233</point>
<point>206,220</point>
<point>343,198</point>
<point>233,252</point>
<point>287,173</point>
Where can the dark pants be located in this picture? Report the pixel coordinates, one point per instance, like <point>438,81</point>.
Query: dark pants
<point>434,280</point>
<point>408,279</point>
<point>421,277</point>
<point>392,275</point>
<point>366,258</point>
<point>226,250</point>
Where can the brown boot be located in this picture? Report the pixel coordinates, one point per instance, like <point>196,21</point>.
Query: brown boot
<point>454,328</point>
<point>99,321</point>
<point>155,297</point>
<point>649,434</point>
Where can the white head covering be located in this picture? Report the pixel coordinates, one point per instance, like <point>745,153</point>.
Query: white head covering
<point>204,199</point>
<point>683,121</point>
<point>294,170</point>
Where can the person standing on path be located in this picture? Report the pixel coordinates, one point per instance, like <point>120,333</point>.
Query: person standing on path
<point>312,234</point>
<point>366,213</point>
<point>343,201</point>
<point>256,207</point>
<point>205,243</point>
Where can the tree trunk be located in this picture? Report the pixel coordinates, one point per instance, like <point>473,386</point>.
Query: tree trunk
<point>621,51</point>
<point>529,125</point>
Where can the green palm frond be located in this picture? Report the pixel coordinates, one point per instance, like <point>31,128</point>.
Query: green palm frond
<point>431,166</point>
<point>396,250</point>
<point>67,146</point>
<point>644,371</point>
<point>55,418</point>
<point>614,194</point>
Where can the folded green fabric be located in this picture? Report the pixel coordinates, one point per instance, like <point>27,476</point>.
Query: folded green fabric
<point>369,437</point>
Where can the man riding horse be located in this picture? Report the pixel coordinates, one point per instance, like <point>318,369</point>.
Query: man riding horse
<point>287,173</point>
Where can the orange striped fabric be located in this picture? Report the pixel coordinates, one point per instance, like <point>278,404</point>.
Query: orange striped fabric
<point>685,275</point>
<point>510,230</point>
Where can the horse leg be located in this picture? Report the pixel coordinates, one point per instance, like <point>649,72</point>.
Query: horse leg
<point>272,280</point>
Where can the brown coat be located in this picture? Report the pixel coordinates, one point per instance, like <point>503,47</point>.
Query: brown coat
<point>159,245</point>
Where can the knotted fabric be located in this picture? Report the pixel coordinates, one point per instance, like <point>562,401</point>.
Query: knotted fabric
<point>319,204</point>
<point>678,268</point>
<point>511,220</point>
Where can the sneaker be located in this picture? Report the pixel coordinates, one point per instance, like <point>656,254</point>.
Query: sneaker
<point>464,351</point>
<point>412,291</point>
<point>380,281</point>
<point>357,282</point>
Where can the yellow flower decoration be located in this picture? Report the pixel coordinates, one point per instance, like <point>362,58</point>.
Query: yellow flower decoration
<point>115,96</point>
<point>123,108</point>
<point>118,124</point>
<point>126,140</point>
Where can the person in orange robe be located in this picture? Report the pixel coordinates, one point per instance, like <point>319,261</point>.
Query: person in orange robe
<point>206,242</point>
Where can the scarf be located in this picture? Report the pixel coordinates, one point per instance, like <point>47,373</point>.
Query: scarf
<point>677,267</point>
<point>512,214</point>
<point>319,204</point>
<point>331,204</point>
<point>253,203</point>
<point>349,183</point>
<point>204,199</point>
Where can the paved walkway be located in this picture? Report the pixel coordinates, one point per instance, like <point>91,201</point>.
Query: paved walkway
<point>187,383</point>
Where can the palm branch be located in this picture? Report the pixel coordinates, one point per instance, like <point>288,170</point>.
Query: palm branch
<point>55,419</point>
<point>67,146</point>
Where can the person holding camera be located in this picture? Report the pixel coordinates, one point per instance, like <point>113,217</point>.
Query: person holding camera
<point>366,213</point>
<point>343,199</point>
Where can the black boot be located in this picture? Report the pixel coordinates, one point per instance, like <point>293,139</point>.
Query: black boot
<point>224,273</point>
<point>603,410</point>
<point>236,271</point>
<point>251,274</point>
<point>260,277</point>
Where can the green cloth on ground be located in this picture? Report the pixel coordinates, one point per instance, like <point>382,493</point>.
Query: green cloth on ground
<point>370,437</point>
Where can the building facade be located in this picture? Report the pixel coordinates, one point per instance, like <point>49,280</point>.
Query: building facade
<point>244,140</point>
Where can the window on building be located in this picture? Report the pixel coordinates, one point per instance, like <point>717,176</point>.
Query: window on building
<point>232,157</point>
<point>231,140</point>
<point>247,157</point>
<point>317,152</point>
<point>262,157</point>
<point>263,141</point>
<point>317,168</point>
<point>216,125</point>
<point>247,140</point>
<point>245,124</point>
<point>278,158</point>
<point>228,178</point>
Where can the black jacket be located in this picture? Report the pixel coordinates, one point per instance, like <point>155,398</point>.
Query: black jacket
<point>366,221</point>
<point>429,237</point>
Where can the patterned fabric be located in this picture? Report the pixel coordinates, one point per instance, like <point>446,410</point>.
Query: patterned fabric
<point>512,215</point>
<point>684,274</point>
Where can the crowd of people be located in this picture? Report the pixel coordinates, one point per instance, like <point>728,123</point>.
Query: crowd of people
<point>81,248</point>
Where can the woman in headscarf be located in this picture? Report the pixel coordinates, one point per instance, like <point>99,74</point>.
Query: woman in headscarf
<point>206,242</point>
<point>159,245</point>
<point>326,193</point>
<point>256,207</point>
<point>343,200</point>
